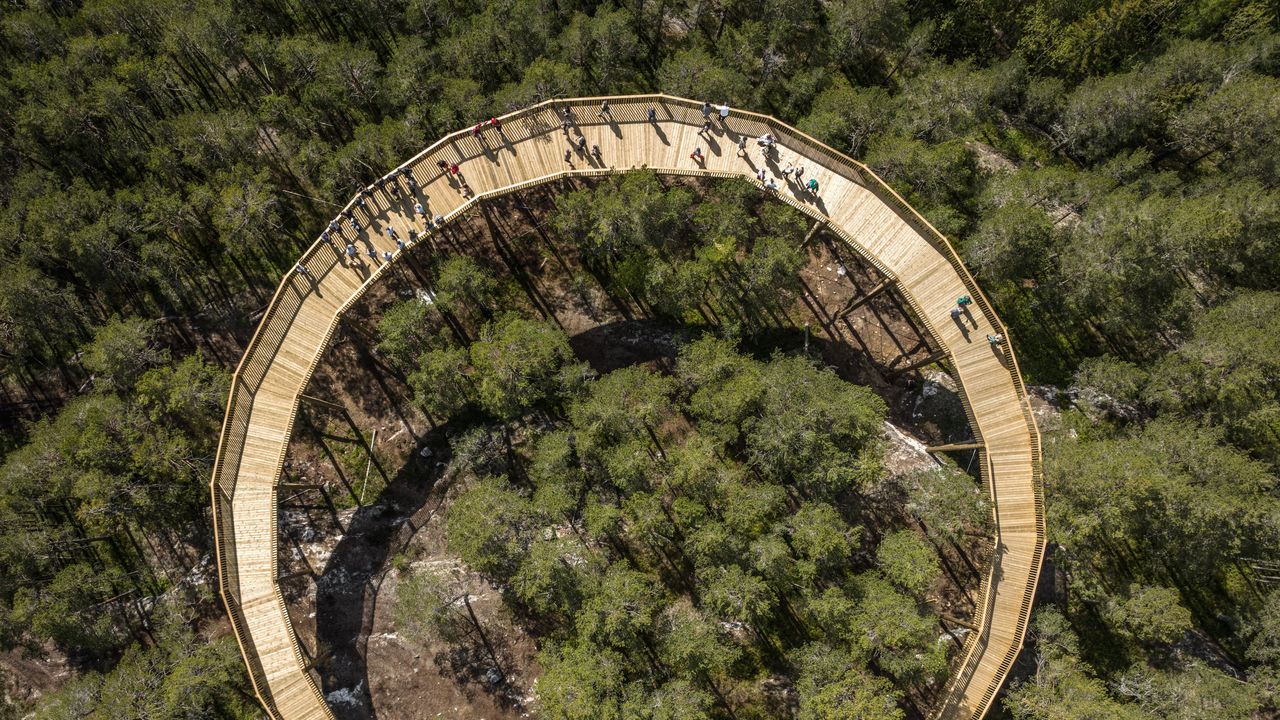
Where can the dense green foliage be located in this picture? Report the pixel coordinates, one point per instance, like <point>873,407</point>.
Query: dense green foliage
<point>1107,167</point>
<point>98,506</point>
<point>730,261</point>
<point>690,550</point>
<point>696,530</point>
<point>179,676</point>
<point>1161,492</point>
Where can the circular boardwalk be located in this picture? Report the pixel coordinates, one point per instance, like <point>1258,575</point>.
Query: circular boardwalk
<point>529,148</point>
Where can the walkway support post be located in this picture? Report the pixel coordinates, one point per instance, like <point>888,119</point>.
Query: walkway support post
<point>857,302</point>
<point>931,359</point>
<point>817,226</point>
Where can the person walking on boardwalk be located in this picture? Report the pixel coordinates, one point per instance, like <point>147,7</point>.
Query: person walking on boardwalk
<point>799,172</point>
<point>996,340</point>
<point>351,251</point>
<point>706,109</point>
<point>582,143</point>
<point>595,151</point>
<point>786,171</point>
<point>813,185</point>
<point>760,174</point>
<point>386,255</point>
<point>766,146</point>
<point>302,270</point>
<point>419,210</point>
<point>604,110</point>
<point>453,168</point>
<point>653,115</point>
<point>706,128</point>
<point>475,131</point>
<point>373,254</point>
<point>495,124</point>
<point>742,146</point>
<point>568,155</point>
<point>724,114</point>
<point>696,155</point>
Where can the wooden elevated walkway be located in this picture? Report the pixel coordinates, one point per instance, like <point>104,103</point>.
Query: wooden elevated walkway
<point>530,148</point>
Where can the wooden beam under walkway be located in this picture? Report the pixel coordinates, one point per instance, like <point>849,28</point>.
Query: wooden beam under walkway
<point>323,403</point>
<point>955,446</point>
<point>931,359</point>
<point>298,486</point>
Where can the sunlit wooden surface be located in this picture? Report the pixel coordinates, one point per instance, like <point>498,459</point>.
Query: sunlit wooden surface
<point>530,148</point>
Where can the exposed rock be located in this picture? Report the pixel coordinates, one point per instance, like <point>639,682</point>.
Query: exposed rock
<point>904,453</point>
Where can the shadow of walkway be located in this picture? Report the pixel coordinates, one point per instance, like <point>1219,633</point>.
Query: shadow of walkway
<point>624,343</point>
<point>347,590</point>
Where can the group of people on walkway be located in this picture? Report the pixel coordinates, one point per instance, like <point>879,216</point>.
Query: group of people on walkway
<point>767,142</point>
<point>492,122</point>
<point>708,110</point>
<point>789,173</point>
<point>390,183</point>
<point>961,309</point>
<point>393,235</point>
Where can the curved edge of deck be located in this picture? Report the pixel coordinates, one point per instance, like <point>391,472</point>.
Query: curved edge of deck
<point>529,150</point>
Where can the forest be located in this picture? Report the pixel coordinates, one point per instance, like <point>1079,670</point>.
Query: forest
<point>1106,168</point>
<point>694,523</point>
